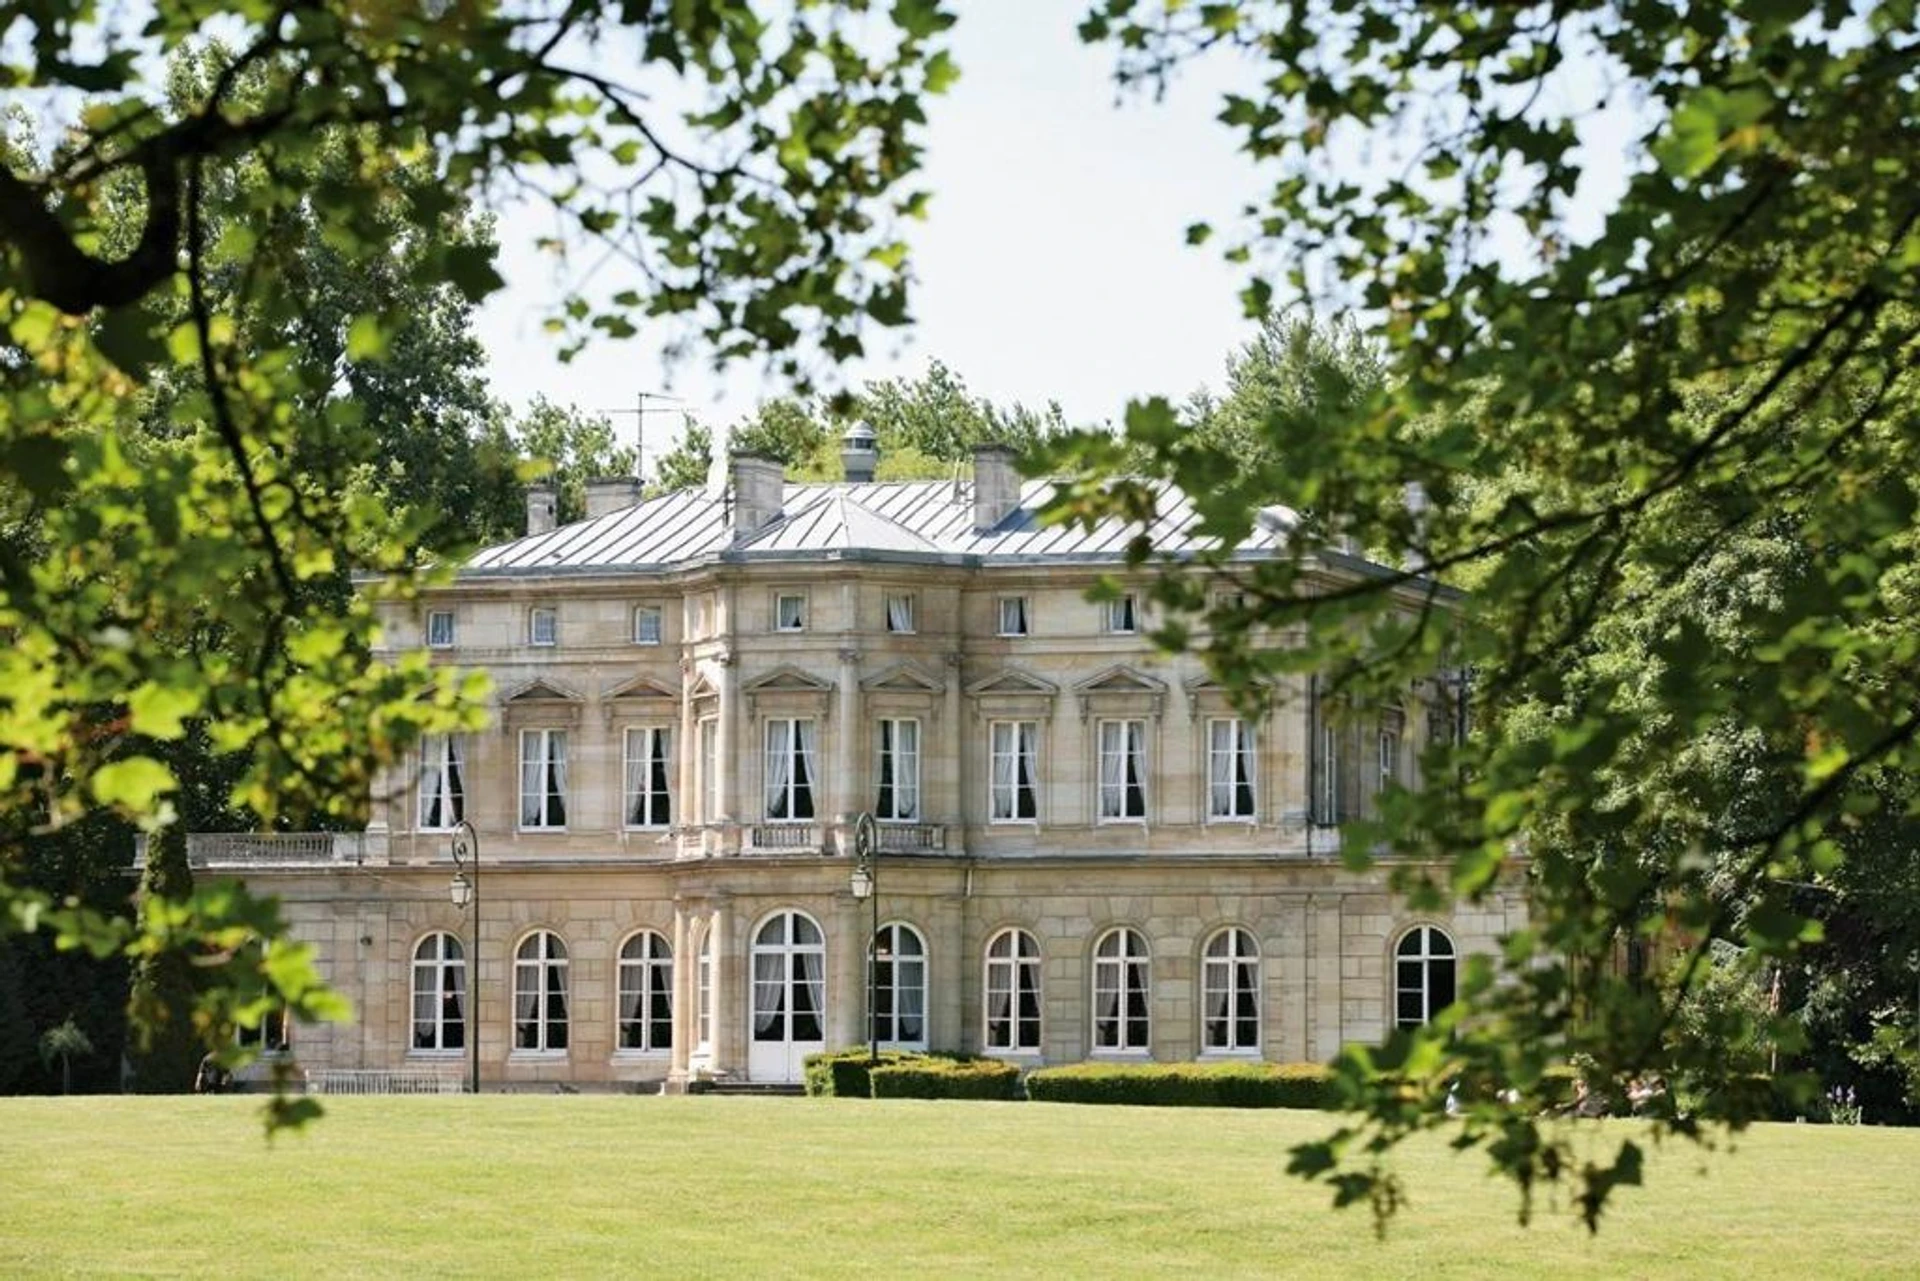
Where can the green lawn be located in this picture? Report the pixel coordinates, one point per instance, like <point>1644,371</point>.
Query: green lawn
<point>745,1187</point>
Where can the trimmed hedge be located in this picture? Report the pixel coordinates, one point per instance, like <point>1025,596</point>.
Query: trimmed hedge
<point>946,1078</point>
<point>843,1073</point>
<point>1202,1085</point>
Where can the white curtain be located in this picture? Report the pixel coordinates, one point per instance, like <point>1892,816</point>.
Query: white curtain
<point>906,773</point>
<point>637,776</point>
<point>803,769</point>
<point>769,993</point>
<point>809,997</point>
<point>779,766</point>
<point>1004,765</point>
<point>432,782</point>
<point>1028,737</point>
<point>1106,1002</point>
<point>1243,766</point>
<point>899,613</point>
<point>1220,769</point>
<point>530,807</point>
<point>910,999</point>
<point>556,778</point>
<point>1112,769</point>
<point>1000,1033</point>
<point>887,799</point>
<point>526,1005</point>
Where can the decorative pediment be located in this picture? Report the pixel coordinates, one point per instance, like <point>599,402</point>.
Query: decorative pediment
<point>702,687</point>
<point>903,678</point>
<point>1205,693</point>
<point>788,687</point>
<point>540,689</point>
<point>1120,689</point>
<point>1013,681</point>
<point>639,696</point>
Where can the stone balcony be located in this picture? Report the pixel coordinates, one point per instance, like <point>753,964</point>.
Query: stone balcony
<point>244,851</point>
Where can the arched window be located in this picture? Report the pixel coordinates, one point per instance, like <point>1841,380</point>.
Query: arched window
<point>1013,993</point>
<point>646,994</point>
<point>439,994</point>
<point>899,998</point>
<point>1230,992</point>
<point>789,980</point>
<point>540,993</point>
<point>1422,975</point>
<point>1122,979</point>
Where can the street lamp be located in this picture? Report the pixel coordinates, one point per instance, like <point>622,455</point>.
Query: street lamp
<point>464,889</point>
<point>865,884</point>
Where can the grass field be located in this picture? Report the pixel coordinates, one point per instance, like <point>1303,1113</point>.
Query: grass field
<point>747,1187</point>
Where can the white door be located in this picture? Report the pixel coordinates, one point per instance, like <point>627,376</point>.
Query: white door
<point>789,1019</point>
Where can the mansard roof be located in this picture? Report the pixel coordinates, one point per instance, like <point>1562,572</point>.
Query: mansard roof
<point>924,521</point>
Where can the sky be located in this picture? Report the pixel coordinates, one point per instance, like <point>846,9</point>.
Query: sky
<point>1052,267</point>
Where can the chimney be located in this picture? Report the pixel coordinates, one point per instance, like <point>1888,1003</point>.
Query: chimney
<point>611,494</point>
<point>758,485</point>
<point>996,488</point>
<point>541,509</point>
<point>860,453</point>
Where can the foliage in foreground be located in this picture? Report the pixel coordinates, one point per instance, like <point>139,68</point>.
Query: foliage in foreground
<point>1663,434</point>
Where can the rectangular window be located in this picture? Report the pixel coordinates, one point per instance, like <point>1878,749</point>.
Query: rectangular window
<point>1012,611</point>
<point>899,771</point>
<point>703,616</point>
<point>646,624</point>
<point>1123,771</point>
<point>709,771</point>
<point>440,629</point>
<point>443,786</point>
<point>649,798</point>
<point>543,778</point>
<point>1393,727</point>
<point>1014,749</point>
<point>1122,615</point>
<point>789,612</point>
<point>789,770</point>
<point>543,627</point>
<point>1326,775</point>
<point>900,614</point>
<point>1229,769</point>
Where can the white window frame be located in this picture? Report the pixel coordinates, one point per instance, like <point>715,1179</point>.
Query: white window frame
<point>648,975</point>
<point>1112,973</point>
<point>1121,615</point>
<point>1112,805</point>
<point>799,758</point>
<point>1022,606</point>
<point>1392,731</point>
<point>445,641</point>
<point>548,966</point>
<point>1240,751</point>
<point>1023,744</point>
<point>544,758</point>
<point>442,780</point>
<point>1018,971</point>
<point>901,613</point>
<point>709,764</point>
<point>780,624</point>
<point>1325,804</point>
<point>551,617</point>
<point>654,805</point>
<point>703,993</point>
<point>643,615</point>
<point>903,764</point>
<point>1227,974</point>
<point>445,975</point>
<point>1426,946</point>
<point>886,969</point>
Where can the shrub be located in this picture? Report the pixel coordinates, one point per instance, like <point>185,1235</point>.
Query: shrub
<point>843,1073</point>
<point>1219,1085</point>
<point>946,1078</point>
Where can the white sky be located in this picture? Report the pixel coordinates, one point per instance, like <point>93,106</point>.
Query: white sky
<point>1052,266</point>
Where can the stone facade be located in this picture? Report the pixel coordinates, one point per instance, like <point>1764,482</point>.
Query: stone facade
<point>726,671</point>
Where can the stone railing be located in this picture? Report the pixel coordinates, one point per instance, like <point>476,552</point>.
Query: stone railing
<point>239,851</point>
<point>911,838</point>
<point>784,838</point>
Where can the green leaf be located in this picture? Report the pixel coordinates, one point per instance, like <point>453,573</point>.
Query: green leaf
<point>133,784</point>
<point>158,711</point>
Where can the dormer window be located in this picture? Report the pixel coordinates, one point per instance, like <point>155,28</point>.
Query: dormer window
<point>543,627</point>
<point>1012,615</point>
<point>440,629</point>
<point>1122,615</point>
<point>790,612</point>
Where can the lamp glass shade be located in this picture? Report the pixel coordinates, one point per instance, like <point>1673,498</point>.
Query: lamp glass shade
<point>460,890</point>
<point>861,883</point>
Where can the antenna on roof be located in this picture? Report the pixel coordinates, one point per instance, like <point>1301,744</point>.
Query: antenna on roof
<point>640,412</point>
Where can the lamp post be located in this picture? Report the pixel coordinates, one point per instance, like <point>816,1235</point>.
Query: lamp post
<point>464,889</point>
<point>865,884</point>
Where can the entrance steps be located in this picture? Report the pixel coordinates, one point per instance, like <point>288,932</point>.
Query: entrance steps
<point>764,1089</point>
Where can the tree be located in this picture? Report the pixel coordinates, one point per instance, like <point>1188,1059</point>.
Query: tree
<point>182,494</point>
<point>167,1047</point>
<point>567,448</point>
<point>1593,388</point>
<point>66,1042</point>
